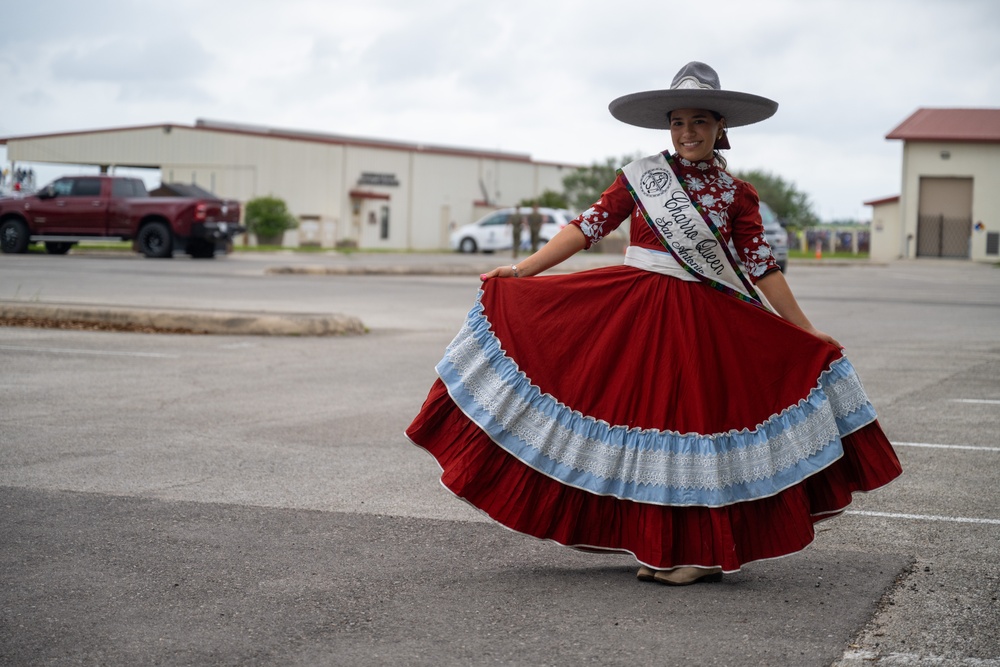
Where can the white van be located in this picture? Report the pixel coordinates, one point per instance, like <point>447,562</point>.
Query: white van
<point>493,231</point>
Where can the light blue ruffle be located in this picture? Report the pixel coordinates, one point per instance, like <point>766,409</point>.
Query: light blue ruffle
<point>649,465</point>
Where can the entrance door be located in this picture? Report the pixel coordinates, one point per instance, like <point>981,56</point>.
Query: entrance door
<point>375,228</point>
<point>944,222</point>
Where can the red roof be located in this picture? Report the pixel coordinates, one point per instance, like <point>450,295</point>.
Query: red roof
<point>882,200</point>
<point>967,125</point>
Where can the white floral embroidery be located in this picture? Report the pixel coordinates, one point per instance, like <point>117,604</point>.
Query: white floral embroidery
<point>592,223</point>
<point>756,260</point>
<point>719,219</point>
<point>715,191</point>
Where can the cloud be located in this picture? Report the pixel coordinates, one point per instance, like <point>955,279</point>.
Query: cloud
<point>35,98</point>
<point>523,75</point>
<point>166,66</point>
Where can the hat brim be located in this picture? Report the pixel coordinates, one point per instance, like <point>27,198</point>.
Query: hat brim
<point>650,108</point>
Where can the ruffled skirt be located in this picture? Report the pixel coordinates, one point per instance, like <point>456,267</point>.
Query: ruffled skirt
<point>623,410</point>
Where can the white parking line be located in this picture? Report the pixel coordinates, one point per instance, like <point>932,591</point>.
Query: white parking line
<point>867,657</point>
<point>981,401</point>
<point>924,517</point>
<point>59,350</point>
<point>927,444</point>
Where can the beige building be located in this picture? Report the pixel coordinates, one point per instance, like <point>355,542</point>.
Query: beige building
<point>344,190</point>
<point>886,230</point>
<point>950,200</point>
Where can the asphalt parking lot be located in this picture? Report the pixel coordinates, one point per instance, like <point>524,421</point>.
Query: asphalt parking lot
<point>250,499</point>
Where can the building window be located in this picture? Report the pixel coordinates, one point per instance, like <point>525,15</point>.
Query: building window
<point>384,227</point>
<point>993,243</point>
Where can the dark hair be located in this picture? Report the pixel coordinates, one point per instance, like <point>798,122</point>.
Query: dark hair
<point>715,151</point>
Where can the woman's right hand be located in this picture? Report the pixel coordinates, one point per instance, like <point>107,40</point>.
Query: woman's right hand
<point>569,241</point>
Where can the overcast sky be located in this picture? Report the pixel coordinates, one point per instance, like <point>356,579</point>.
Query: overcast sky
<point>528,76</point>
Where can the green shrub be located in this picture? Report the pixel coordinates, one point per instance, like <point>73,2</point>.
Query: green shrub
<point>268,218</point>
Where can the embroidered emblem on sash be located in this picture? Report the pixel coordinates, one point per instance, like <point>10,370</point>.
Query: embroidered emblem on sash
<point>655,182</point>
<point>683,228</point>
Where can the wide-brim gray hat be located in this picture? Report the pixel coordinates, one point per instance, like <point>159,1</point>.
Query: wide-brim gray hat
<point>696,86</point>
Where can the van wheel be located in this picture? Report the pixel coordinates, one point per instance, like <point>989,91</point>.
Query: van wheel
<point>13,237</point>
<point>155,240</point>
<point>58,247</point>
<point>468,245</point>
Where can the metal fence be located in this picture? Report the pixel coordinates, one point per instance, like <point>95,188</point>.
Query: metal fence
<point>851,240</point>
<point>940,236</point>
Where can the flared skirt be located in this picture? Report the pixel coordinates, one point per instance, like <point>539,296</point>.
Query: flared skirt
<point>623,410</point>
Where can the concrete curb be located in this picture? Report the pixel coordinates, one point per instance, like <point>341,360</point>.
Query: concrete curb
<point>443,269</point>
<point>187,321</point>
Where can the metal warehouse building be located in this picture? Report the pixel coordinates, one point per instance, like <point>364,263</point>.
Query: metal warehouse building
<point>343,190</point>
<point>950,200</point>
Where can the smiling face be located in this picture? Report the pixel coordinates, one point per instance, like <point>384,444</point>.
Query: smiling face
<point>694,133</point>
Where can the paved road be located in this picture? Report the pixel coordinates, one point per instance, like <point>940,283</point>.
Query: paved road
<point>172,499</point>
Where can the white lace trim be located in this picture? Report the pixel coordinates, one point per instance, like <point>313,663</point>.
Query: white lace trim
<point>737,457</point>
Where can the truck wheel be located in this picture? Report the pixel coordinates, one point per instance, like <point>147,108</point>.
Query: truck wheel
<point>13,236</point>
<point>155,240</point>
<point>201,249</point>
<point>58,247</point>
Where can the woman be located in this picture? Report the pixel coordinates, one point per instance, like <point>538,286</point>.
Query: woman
<point>673,408</point>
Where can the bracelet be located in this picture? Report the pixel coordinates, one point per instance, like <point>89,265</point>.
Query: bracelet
<point>513,267</point>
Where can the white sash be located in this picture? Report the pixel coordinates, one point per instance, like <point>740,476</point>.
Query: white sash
<point>661,261</point>
<point>657,261</point>
<point>687,235</point>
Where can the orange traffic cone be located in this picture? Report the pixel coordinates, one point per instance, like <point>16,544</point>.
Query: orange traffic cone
<point>819,250</point>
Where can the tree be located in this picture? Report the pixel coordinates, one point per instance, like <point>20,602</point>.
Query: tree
<point>548,199</point>
<point>268,218</point>
<point>585,185</point>
<point>792,207</point>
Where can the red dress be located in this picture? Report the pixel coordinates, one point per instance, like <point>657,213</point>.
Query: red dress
<point>624,410</point>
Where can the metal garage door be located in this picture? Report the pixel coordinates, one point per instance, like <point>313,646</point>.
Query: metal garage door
<point>944,223</point>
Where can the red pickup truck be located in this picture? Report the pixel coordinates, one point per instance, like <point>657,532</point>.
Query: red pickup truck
<point>79,208</point>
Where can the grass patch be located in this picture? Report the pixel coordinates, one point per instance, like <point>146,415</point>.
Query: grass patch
<point>278,248</point>
<point>112,246</point>
<point>120,246</point>
<point>811,254</point>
